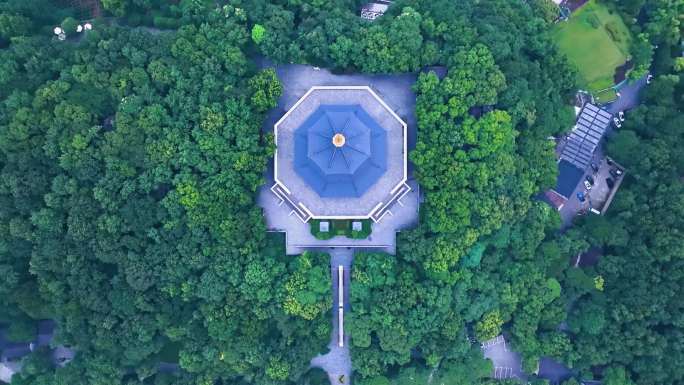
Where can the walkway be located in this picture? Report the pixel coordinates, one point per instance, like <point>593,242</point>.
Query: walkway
<point>337,362</point>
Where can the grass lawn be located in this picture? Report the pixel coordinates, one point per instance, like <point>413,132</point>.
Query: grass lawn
<point>596,41</point>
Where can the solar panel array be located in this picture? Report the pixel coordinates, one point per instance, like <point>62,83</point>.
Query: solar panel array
<point>586,135</point>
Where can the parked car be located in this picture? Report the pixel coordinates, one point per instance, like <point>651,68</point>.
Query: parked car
<point>615,172</point>
<point>587,185</point>
<point>609,161</point>
<point>590,179</point>
<point>617,122</point>
<point>594,167</point>
<point>621,116</point>
<point>610,182</point>
<point>580,196</point>
<point>649,77</point>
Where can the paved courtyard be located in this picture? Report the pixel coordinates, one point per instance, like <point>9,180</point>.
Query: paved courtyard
<point>298,238</point>
<point>395,90</point>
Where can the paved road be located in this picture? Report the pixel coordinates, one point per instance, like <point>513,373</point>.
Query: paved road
<point>337,362</point>
<point>629,96</point>
<point>553,371</point>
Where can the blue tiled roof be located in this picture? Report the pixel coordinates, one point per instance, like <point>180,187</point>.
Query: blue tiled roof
<point>350,169</point>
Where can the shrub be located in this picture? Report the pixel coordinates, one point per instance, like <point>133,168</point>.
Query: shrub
<point>316,232</point>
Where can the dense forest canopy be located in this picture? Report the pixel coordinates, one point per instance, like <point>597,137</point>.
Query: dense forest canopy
<point>131,155</point>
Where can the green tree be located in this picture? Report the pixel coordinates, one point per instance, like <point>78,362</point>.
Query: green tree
<point>258,33</point>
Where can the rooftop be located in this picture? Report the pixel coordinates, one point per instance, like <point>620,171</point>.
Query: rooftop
<point>324,175</point>
<point>340,151</point>
<point>569,177</point>
<point>586,135</point>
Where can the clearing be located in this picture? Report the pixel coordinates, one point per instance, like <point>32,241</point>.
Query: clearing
<point>596,41</point>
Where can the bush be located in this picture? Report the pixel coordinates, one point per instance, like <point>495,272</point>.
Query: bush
<point>365,230</point>
<point>316,232</point>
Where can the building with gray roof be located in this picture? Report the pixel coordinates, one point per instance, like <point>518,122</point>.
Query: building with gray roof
<point>589,129</point>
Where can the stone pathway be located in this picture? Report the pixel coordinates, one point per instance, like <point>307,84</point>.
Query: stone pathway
<point>337,362</point>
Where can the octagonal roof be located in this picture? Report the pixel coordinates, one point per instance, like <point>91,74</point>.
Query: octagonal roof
<point>340,151</point>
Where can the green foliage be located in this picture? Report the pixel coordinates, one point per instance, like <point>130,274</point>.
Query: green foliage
<point>307,290</point>
<point>640,252</point>
<point>616,375</point>
<point>547,10</point>
<point>116,7</point>
<point>457,157</point>
<point>13,25</point>
<point>340,227</point>
<point>489,326</point>
<point>315,376</point>
<point>266,89</point>
<point>258,33</point>
<point>593,20</point>
<point>130,163</point>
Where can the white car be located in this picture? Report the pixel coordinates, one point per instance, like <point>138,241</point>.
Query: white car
<point>617,122</point>
<point>587,185</point>
<point>621,116</point>
<point>649,77</point>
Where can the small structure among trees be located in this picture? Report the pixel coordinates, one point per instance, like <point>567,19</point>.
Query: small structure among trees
<point>372,11</point>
